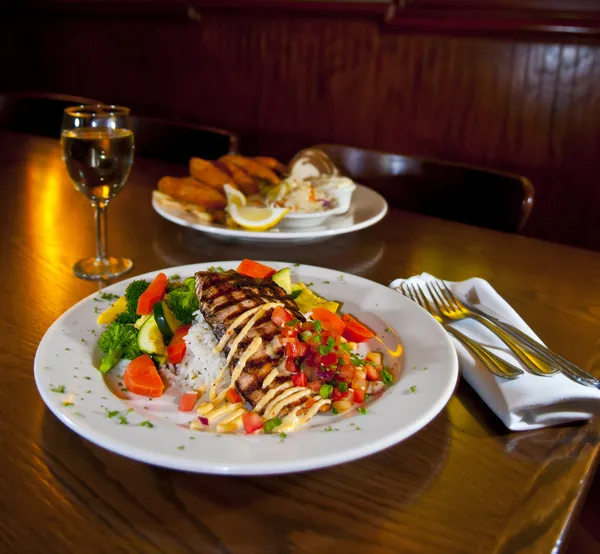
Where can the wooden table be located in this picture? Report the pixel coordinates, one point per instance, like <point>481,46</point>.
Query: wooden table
<point>462,484</point>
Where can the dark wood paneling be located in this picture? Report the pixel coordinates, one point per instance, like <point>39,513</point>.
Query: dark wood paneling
<point>518,106</point>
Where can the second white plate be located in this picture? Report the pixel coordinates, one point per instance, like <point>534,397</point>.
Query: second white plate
<point>367,208</point>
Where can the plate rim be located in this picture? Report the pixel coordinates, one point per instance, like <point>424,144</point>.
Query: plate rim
<point>299,233</point>
<point>163,459</point>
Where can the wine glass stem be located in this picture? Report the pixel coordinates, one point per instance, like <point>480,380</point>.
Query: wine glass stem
<point>101,236</point>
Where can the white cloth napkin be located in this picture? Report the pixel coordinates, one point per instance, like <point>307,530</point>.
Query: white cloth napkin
<point>530,401</point>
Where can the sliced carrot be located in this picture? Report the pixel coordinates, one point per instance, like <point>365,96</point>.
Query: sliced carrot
<point>186,404</point>
<point>152,294</point>
<point>355,331</point>
<point>329,320</point>
<point>250,268</point>
<point>141,377</point>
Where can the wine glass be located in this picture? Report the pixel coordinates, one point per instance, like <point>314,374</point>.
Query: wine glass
<point>97,148</point>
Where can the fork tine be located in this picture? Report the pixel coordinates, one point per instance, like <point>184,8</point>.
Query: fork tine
<point>438,299</point>
<point>448,302</point>
<point>452,296</point>
<point>424,300</point>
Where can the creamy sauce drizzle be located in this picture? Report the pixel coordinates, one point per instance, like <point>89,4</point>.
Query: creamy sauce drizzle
<point>269,396</point>
<point>293,420</point>
<point>270,378</point>
<point>270,408</point>
<point>252,348</point>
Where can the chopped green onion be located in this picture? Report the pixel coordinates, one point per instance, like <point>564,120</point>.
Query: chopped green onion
<point>331,343</point>
<point>343,386</point>
<point>356,361</point>
<point>59,389</point>
<point>317,338</point>
<point>270,424</point>
<point>328,428</point>
<point>305,336</point>
<point>334,411</point>
<point>324,350</point>
<point>362,411</point>
<point>283,435</point>
<point>387,377</point>
<point>292,322</point>
<point>148,424</point>
<point>318,326</point>
<point>325,391</point>
<point>344,346</point>
<point>413,388</point>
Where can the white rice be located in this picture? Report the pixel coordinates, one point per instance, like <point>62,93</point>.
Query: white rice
<point>200,365</point>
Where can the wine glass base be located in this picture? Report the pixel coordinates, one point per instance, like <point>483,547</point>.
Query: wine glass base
<point>94,269</point>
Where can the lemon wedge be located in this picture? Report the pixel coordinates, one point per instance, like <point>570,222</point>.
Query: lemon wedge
<point>256,219</point>
<point>234,196</point>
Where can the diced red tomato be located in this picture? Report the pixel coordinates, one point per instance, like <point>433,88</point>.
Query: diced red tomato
<point>354,330</point>
<point>329,320</point>
<point>337,394</point>
<point>250,268</point>
<point>372,373</point>
<point>299,380</point>
<point>359,396</point>
<point>290,365</point>
<point>252,422</point>
<point>152,294</point>
<point>294,348</point>
<point>314,385</point>
<point>141,377</point>
<point>280,316</point>
<point>288,332</point>
<point>346,373</point>
<point>176,348</point>
<point>186,404</point>
<point>232,396</point>
<point>329,359</point>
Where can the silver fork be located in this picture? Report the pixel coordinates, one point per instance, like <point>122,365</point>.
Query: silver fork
<point>494,363</point>
<point>569,369</point>
<point>453,309</point>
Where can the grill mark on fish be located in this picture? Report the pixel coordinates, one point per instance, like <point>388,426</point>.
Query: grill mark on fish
<point>223,297</point>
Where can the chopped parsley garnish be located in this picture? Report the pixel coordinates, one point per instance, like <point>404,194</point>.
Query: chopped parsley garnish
<point>181,447</point>
<point>68,404</point>
<point>84,341</point>
<point>357,428</point>
<point>311,284</point>
<point>326,282</point>
<point>317,325</point>
<point>216,269</point>
<point>387,377</point>
<point>192,438</point>
<point>343,386</point>
<point>88,391</point>
<point>387,330</point>
<point>67,349</point>
<point>328,428</point>
<point>123,420</point>
<point>283,435</point>
<point>87,378</point>
<point>362,411</point>
<point>334,411</point>
<point>292,322</point>
<point>97,310</point>
<point>108,296</point>
<point>110,414</point>
<point>344,346</point>
<point>60,388</point>
<point>413,388</point>
<point>148,424</point>
<point>341,277</point>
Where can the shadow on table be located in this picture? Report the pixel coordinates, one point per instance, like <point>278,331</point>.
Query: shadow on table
<point>353,253</point>
<point>182,511</point>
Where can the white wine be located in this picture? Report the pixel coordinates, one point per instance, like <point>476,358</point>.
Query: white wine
<point>98,160</point>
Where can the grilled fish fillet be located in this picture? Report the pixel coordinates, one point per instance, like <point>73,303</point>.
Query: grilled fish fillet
<point>223,297</point>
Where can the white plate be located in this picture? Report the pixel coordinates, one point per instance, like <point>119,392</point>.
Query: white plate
<point>367,208</point>
<point>427,372</point>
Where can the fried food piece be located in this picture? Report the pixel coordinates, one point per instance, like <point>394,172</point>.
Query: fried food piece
<point>188,189</point>
<point>210,174</point>
<point>272,164</point>
<point>243,181</point>
<point>253,168</point>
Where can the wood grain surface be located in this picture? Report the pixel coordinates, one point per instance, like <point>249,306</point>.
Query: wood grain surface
<point>462,484</point>
<point>287,81</point>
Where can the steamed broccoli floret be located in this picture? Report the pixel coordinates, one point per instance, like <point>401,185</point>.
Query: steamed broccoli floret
<point>183,301</point>
<point>132,295</point>
<point>118,341</point>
